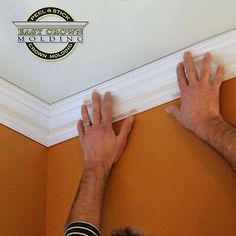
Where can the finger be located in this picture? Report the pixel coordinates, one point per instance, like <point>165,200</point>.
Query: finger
<point>80,129</point>
<point>125,129</point>
<point>96,108</point>
<point>219,76</point>
<point>107,109</point>
<point>174,111</point>
<point>205,70</point>
<point>85,115</point>
<point>181,77</point>
<point>190,68</point>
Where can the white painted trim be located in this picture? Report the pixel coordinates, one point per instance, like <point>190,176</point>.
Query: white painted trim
<point>23,112</point>
<point>134,92</point>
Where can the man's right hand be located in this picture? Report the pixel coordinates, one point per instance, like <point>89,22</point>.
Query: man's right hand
<point>199,110</point>
<point>199,95</point>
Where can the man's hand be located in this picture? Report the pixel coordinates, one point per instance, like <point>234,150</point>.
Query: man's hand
<point>199,94</point>
<point>199,110</point>
<point>102,147</point>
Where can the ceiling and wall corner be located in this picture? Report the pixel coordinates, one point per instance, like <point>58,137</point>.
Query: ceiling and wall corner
<point>42,100</point>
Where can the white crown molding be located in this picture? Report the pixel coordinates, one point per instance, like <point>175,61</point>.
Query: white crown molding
<point>23,112</point>
<point>136,91</point>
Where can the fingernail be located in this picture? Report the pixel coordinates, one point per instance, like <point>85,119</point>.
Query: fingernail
<point>179,64</point>
<point>168,110</point>
<point>186,53</point>
<point>107,94</point>
<point>131,118</point>
<point>221,66</point>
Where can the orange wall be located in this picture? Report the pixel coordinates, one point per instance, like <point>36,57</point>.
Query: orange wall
<point>167,183</point>
<point>23,173</point>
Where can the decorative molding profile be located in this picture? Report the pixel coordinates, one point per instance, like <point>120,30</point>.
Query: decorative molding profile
<point>136,91</point>
<point>24,113</point>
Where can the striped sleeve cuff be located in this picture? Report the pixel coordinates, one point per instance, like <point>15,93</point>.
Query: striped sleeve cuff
<point>79,228</point>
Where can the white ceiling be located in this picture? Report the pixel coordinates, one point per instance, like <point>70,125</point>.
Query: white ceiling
<point>122,35</point>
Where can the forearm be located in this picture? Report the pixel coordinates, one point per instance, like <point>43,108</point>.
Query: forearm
<point>221,136</point>
<point>102,148</point>
<point>88,202</point>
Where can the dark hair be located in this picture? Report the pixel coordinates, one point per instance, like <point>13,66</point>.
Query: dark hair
<point>125,232</point>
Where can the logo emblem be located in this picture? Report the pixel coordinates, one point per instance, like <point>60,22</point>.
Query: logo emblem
<point>66,31</point>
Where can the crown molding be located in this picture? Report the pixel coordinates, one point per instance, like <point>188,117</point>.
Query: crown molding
<point>23,112</point>
<point>136,91</point>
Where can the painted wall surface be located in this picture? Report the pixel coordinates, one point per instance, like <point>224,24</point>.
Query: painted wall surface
<point>23,173</point>
<point>168,182</point>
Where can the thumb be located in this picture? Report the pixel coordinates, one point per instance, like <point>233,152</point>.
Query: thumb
<point>174,111</point>
<point>125,129</point>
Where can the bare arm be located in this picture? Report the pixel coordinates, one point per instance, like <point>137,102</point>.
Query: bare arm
<point>199,110</point>
<point>222,136</point>
<point>88,202</point>
<point>102,148</point>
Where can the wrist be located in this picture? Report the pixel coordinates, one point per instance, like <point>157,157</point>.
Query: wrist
<point>96,170</point>
<point>210,124</point>
<point>98,164</point>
